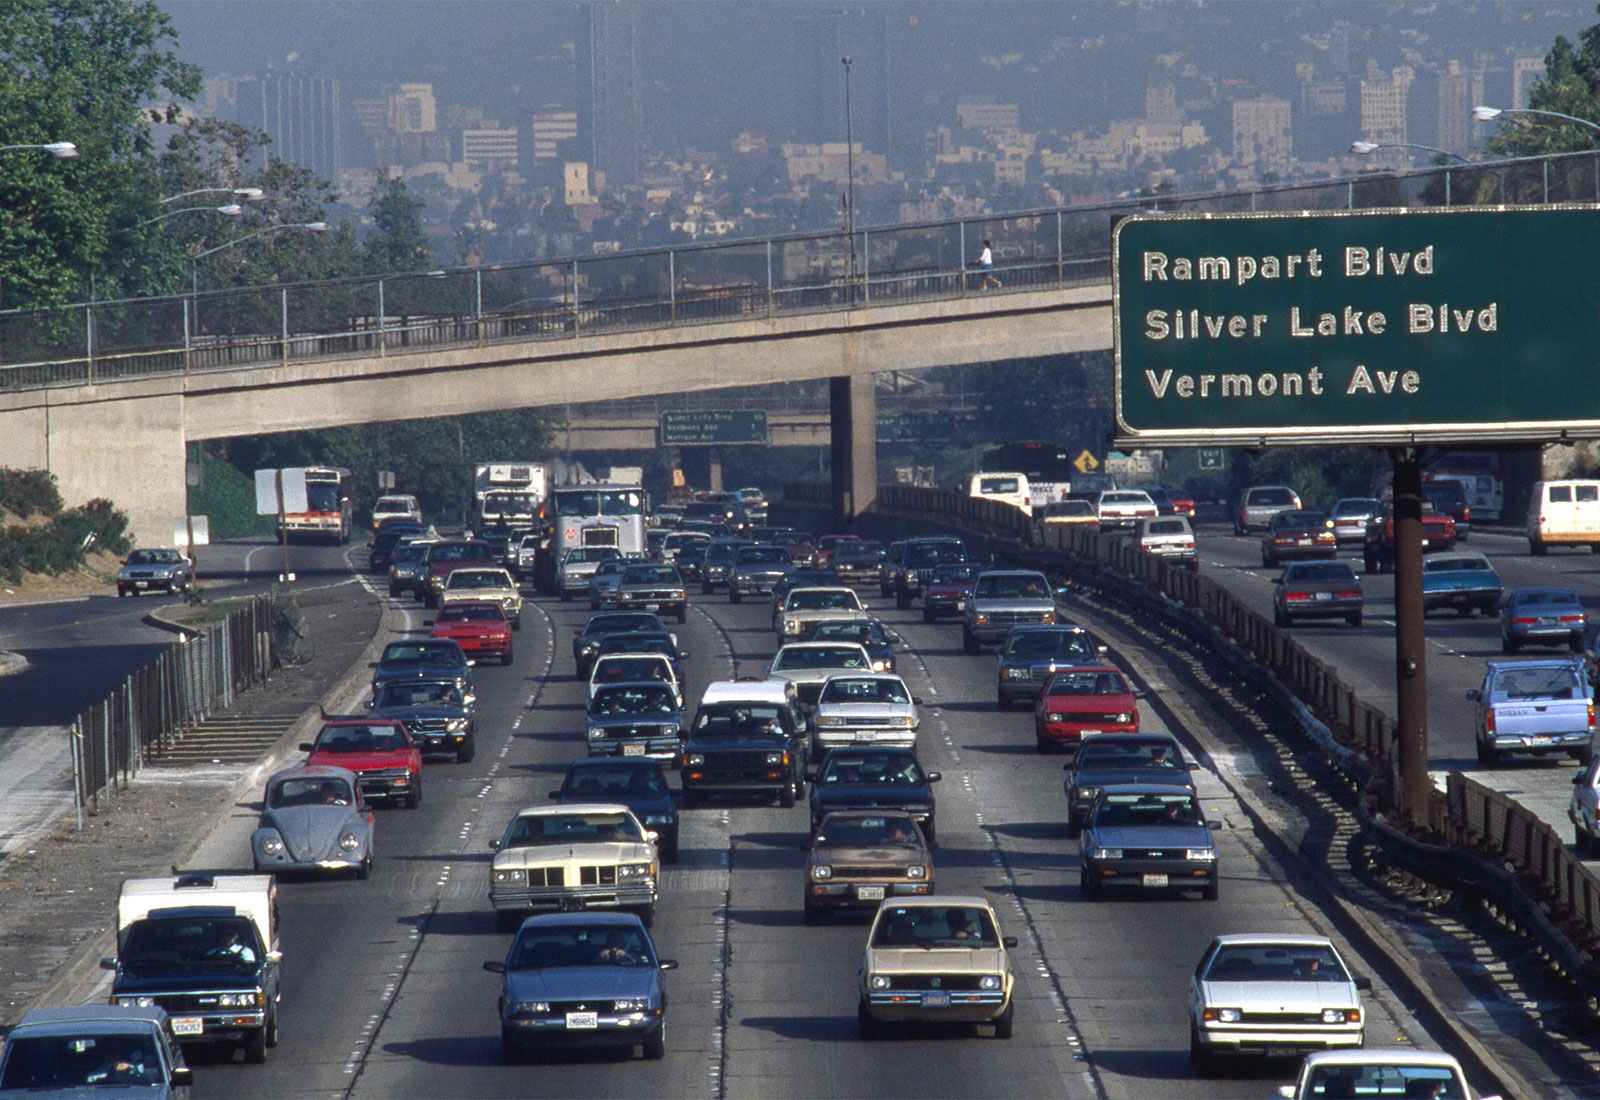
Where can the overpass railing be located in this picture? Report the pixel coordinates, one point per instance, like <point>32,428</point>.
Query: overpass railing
<point>568,298</point>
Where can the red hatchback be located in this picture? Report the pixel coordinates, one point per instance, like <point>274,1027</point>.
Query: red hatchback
<point>1082,701</point>
<point>387,763</point>
<point>479,627</point>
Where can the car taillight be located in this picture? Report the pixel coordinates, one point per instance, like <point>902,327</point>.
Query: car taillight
<point>1572,618</point>
<point>1591,717</point>
<point>1524,621</point>
<point>1352,594</point>
<point>1488,720</point>
<point>1297,595</point>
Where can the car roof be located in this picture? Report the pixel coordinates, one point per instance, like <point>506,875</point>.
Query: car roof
<point>67,1018</point>
<point>747,691</point>
<point>638,763</point>
<point>312,771</point>
<point>940,901</point>
<point>595,918</point>
<point>572,808</point>
<point>1288,939</point>
<point>1148,786</point>
<point>1362,1056</point>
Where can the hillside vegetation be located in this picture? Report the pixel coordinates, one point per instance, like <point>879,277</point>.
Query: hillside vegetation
<point>38,535</point>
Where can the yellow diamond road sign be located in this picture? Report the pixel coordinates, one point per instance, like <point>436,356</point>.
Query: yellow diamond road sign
<point>1085,463</point>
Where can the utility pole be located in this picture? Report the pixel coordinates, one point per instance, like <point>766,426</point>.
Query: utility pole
<point>850,172</point>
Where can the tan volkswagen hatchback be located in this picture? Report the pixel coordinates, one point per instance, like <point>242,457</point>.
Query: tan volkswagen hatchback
<point>938,959</point>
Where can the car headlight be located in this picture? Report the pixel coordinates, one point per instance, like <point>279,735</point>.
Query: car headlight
<point>671,727</point>
<point>1017,674</point>
<point>1341,1015</point>
<point>272,846</point>
<point>1055,716</point>
<point>530,1008</point>
<point>777,758</point>
<point>694,759</point>
<point>1088,794</point>
<point>980,618</point>
<point>821,871</point>
<point>831,721</point>
<point>136,1002</point>
<point>878,981</point>
<point>989,981</point>
<point>349,841</point>
<point>1124,717</point>
<point>790,627</point>
<point>657,819</point>
<point>677,594</point>
<point>1048,618</point>
<point>634,870</point>
<point>456,725</point>
<point>880,666</point>
<point>917,870</point>
<point>902,721</point>
<point>1106,853</point>
<point>509,877</point>
<point>238,1000</point>
<point>596,733</point>
<point>630,1004</point>
<point>1222,1015</point>
<point>1206,854</point>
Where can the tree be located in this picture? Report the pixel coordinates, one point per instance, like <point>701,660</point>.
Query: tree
<point>83,71</point>
<point>397,242</point>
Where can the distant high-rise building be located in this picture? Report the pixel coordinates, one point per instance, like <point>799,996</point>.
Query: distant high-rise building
<point>987,115</point>
<point>1161,104</point>
<point>489,150</point>
<point>413,110</point>
<point>1383,103</point>
<point>300,112</point>
<point>610,114</point>
<point>551,127</point>
<point>1525,73</point>
<point>822,41</point>
<point>1455,107</point>
<point>1261,131</point>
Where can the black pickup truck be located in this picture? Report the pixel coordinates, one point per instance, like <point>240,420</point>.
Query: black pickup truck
<point>747,738</point>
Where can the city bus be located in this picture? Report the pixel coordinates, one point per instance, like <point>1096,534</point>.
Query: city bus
<point>1048,466</point>
<point>327,514</point>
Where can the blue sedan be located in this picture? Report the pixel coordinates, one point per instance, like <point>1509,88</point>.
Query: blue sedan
<point>1459,579</point>
<point>1542,616</point>
<point>582,980</point>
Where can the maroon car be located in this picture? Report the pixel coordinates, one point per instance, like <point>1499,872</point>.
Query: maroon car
<point>387,763</point>
<point>950,584</point>
<point>445,557</point>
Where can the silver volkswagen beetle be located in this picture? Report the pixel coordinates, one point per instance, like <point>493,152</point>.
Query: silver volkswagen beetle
<point>313,819</point>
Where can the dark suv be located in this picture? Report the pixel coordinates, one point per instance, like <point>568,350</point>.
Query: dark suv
<point>1448,497</point>
<point>918,558</point>
<point>750,745</point>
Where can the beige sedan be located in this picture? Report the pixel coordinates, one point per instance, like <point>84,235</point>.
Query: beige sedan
<point>485,584</point>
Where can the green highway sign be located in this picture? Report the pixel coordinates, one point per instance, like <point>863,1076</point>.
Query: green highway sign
<point>712,427</point>
<point>1210,458</point>
<point>1401,326</point>
<point>913,427</point>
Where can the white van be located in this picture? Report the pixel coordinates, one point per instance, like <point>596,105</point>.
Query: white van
<point>1010,488</point>
<point>396,506</point>
<point>1564,513</point>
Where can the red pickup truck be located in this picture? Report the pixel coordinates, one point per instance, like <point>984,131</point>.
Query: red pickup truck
<point>1377,549</point>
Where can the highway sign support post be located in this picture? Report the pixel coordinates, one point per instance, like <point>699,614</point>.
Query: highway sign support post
<point>1410,644</point>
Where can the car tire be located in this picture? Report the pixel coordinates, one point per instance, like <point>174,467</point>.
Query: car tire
<point>1509,646</point>
<point>870,1028</point>
<point>508,920</point>
<point>655,1046</point>
<point>928,833</point>
<point>789,795</point>
<point>566,597</point>
<point>121,591</point>
<point>1004,1021</point>
<point>505,658</point>
<point>255,1048</point>
<point>733,595</point>
<point>1210,890</point>
<point>413,797</point>
<point>512,1049</point>
<point>1582,840</point>
<point>364,869</point>
<point>1074,830</point>
<point>646,914</point>
<point>1001,702</point>
<point>516,624</point>
<point>1278,617</point>
<point>466,752</point>
<point>902,600</point>
<point>928,616</point>
<point>1088,885</point>
<point>1575,643</point>
<point>1354,618</point>
<point>1538,549</point>
<point>272,1027</point>
<point>1041,745</point>
<point>394,591</point>
<point>1200,1057</point>
<point>1487,756</point>
<point>683,614</point>
<point>669,849</point>
<point>969,642</point>
<point>814,914</point>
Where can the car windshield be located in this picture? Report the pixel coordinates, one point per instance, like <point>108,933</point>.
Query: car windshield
<point>1299,520</point>
<point>864,689</point>
<point>621,623</point>
<point>1274,962</point>
<point>1111,753</point>
<point>1070,508</point>
<point>1011,587</point>
<point>413,693</point>
<point>153,557</point>
<point>592,553</point>
<point>598,827</point>
<point>791,658</point>
<point>310,791</point>
<point>408,553</point>
<point>615,670</point>
<point>1358,507</point>
<point>479,578</point>
<point>421,653</point>
<point>1563,598</point>
<point>1384,1079</point>
<point>804,600</point>
<point>473,551</point>
<point>1456,565</point>
<point>1534,682</point>
<point>878,831</point>
<point>1103,681</point>
<point>1177,808</point>
<point>743,720</point>
<point>866,632</point>
<point>923,553</point>
<point>634,699</point>
<point>1031,645</point>
<point>199,942</point>
<point>602,502</point>
<point>1166,527</point>
<point>650,574</point>
<point>470,613</point>
<point>1270,498</point>
<point>934,926</point>
<point>603,782</point>
<point>1319,571</point>
<point>375,738</point>
<point>58,1065</point>
<point>585,945</point>
<point>955,574</point>
<point>886,769</point>
<point>763,555</point>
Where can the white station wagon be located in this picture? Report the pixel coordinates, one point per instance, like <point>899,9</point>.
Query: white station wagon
<point>877,709</point>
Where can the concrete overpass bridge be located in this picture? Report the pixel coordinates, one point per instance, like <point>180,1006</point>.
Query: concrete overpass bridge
<point>106,395</point>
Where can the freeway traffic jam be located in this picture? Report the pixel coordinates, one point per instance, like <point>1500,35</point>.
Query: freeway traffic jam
<point>743,793</point>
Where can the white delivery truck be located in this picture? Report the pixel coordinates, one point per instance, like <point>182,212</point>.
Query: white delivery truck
<point>203,946</point>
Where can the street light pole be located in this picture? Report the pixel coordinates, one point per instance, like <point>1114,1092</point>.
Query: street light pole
<point>850,172</point>
<point>62,150</point>
<point>1489,114</point>
<point>248,194</point>
<point>1363,148</point>
<point>232,210</point>
<point>194,261</point>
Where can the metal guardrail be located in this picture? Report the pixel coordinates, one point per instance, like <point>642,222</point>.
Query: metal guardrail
<point>1493,847</point>
<point>571,297</point>
<point>187,683</point>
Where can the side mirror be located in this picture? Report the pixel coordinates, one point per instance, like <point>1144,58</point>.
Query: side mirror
<point>916,700</point>
<point>1286,1092</point>
<point>1063,591</point>
<point>1363,983</point>
<point>181,1077</point>
<point>1475,695</point>
<point>1577,780</point>
<point>495,966</point>
<point>651,835</point>
<point>1009,941</point>
<point>370,703</point>
<point>683,654</point>
<point>1138,693</point>
<point>1214,826</point>
<point>108,963</point>
<point>933,777</point>
<point>305,746</point>
<point>669,964</point>
<point>1101,650</point>
<point>494,845</point>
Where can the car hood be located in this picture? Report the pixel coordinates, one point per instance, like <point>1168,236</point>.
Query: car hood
<point>1154,836</point>
<point>921,960</point>
<point>1289,996</point>
<point>1106,777</point>
<point>622,851</point>
<point>623,721</point>
<point>647,805</point>
<point>309,831</point>
<point>871,795</point>
<point>1086,704</point>
<point>429,710</point>
<point>813,675</point>
<point>866,710</point>
<point>1009,603</point>
<point>849,853</point>
<point>572,983</point>
<point>765,742</point>
<point>1454,580</point>
<point>362,761</point>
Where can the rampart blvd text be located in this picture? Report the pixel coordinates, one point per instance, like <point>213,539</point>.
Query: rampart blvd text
<point>1359,262</point>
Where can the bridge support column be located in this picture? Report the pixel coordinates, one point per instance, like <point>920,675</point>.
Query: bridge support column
<point>129,452</point>
<point>853,409</point>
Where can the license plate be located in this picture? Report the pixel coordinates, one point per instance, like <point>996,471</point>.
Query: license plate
<point>632,750</point>
<point>583,1021</point>
<point>939,998</point>
<point>1154,880</point>
<point>188,1025</point>
<point>866,735</point>
<point>141,584</point>
<point>652,606</point>
<point>1302,542</point>
<point>1542,739</point>
<point>1280,1052</point>
<point>869,893</point>
<point>1088,733</point>
<point>1322,595</point>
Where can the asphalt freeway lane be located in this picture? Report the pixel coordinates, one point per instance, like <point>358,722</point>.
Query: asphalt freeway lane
<point>385,994</point>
